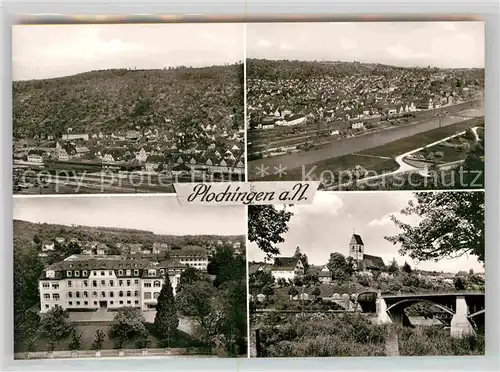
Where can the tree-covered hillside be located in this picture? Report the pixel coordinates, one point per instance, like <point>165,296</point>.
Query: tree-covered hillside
<point>27,231</point>
<point>303,70</point>
<point>118,100</point>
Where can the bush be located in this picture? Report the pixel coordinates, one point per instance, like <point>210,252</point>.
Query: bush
<point>437,341</point>
<point>341,335</point>
<point>355,335</point>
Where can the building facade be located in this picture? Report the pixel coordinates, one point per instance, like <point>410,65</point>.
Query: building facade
<point>287,268</point>
<point>190,255</point>
<point>106,283</point>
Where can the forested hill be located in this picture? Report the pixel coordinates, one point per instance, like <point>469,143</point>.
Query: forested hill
<point>293,69</point>
<point>122,99</point>
<point>27,231</point>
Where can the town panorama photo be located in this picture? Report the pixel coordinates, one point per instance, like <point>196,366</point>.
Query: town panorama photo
<point>126,108</point>
<point>380,106</point>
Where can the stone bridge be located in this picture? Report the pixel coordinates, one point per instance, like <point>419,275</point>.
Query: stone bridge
<point>465,310</point>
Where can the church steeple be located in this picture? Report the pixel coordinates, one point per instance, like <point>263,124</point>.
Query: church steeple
<point>356,247</point>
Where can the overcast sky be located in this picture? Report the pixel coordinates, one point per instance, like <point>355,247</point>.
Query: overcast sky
<point>161,214</point>
<point>439,44</point>
<point>46,51</point>
<point>327,225</point>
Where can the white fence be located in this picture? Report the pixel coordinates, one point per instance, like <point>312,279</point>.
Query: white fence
<point>113,353</point>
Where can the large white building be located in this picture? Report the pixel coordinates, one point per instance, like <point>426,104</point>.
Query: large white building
<point>190,255</point>
<point>287,268</point>
<point>80,283</point>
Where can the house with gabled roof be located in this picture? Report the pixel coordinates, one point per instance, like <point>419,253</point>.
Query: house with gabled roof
<point>141,155</point>
<point>325,275</point>
<point>152,162</point>
<point>287,268</point>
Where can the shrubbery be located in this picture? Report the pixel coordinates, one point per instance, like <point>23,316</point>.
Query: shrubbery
<point>355,335</point>
<point>344,335</point>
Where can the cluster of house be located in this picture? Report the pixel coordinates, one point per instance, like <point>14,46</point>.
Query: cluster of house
<point>214,150</point>
<point>193,255</point>
<point>355,97</point>
<point>290,268</point>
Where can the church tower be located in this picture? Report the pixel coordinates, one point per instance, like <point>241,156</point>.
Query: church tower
<point>356,248</point>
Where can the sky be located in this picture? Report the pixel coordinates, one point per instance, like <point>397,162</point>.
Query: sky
<point>47,51</point>
<point>159,214</point>
<point>327,225</point>
<point>405,44</point>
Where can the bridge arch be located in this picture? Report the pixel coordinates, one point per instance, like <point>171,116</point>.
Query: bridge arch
<point>367,301</point>
<point>477,313</point>
<point>403,304</point>
<point>367,293</point>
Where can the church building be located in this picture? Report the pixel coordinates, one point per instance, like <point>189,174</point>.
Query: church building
<point>363,261</point>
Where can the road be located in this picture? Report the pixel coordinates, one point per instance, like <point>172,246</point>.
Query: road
<point>355,144</point>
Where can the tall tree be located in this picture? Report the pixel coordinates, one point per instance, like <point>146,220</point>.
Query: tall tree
<point>233,295</point>
<point>26,325</point>
<point>260,279</point>
<point>200,302</point>
<point>451,225</point>
<point>76,340</point>
<point>267,291</point>
<point>189,276</point>
<point>227,266</point>
<point>406,268</point>
<point>340,267</point>
<point>27,270</point>
<point>393,267</point>
<point>55,324</point>
<point>293,291</point>
<point>298,253</point>
<point>166,319</point>
<point>127,324</point>
<point>316,292</point>
<point>266,227</point>
<point>98,340</point>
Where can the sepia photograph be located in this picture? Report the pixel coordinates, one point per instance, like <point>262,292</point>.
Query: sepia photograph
<point>126,108</point>
<point>130,276</point>
<point>368,274</point>
<point>379,106</point>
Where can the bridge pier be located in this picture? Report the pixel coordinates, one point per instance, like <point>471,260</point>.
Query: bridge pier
<point>382,316</point>
<point>460,325</point>
<point>400,317</point>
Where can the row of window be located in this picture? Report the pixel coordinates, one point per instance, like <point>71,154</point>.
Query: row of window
<point>86,303</point>
<point>103,294</point>
<point>102,283</point>
<point>147,295</point>
<point>76,273</point>
<point>195,264</point>
<point>193,260</point>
